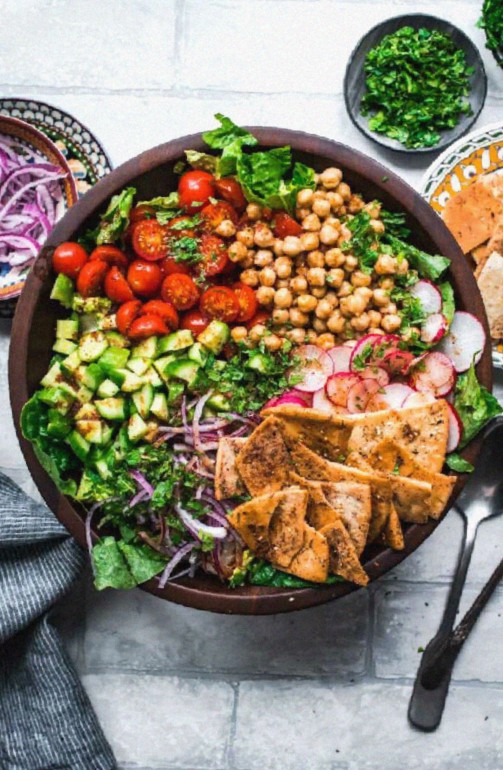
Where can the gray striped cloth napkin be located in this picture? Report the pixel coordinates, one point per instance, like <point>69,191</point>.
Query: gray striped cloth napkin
<point>46,719</point>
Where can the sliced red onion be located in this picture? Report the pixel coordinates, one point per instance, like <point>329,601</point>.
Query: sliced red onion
<point>140,497</point>
<point>180,554</point>
<point>142,481</point>
<point>194,526</point>
<point>198,410</point>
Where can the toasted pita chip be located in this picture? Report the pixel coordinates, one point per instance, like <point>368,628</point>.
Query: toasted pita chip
<point>263,462</point>
<point>343,557</point>
<point>252,519</point>
<point>422,430</point>
<point>323,433</point>
<point>228,482</point>
<point>392,534</point>
<point>471,215</point>
<point>490,282</point>
<point>312,561</point>
<point>287,526</point>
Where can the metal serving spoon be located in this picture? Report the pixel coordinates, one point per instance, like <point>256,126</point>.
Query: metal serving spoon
<point>482,498</point>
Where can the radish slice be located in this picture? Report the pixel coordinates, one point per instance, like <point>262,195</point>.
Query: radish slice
<point>321,402</point>
<point>350,344</point>
<point>365,345</point>
<point>390,397</point>
<point>338,386</point>
<point>455,429</point>
<point>340,356</point>
<point>375,373</point>
<point>360,394</point>
<point>434,374</point>
<point>315,368</point>
<point>465,342</point>
<point>434,328</point>
<point>286,398</point>
<point>306,397</point>
<point>396,361</point>
<point>428,295</point>
<point>418,399</point>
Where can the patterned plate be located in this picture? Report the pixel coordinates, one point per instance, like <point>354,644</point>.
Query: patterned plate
<point>478,153</point>
<point>83,152</point>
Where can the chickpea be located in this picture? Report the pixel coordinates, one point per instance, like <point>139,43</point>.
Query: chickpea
<point>360,323</point>
<point>257,332</point>
<point>390,323</point>
<point>283,267</point>
<point>272,342</point>
<point>336,200</point>
<point>311,223</point>
<point>329,235</point>
<point>239,333</point>
<point>346,233</point>
<point>245,236</point>
<point>351,263</point>
<point>319,195</point>
<point>373,209</point>
<point>283,298</point>
<point>263,236</point>
<point>334,257</point>
<point>278,247</point>
<point>385,264</point>
<point>280,316</point>
<point>360,279</point>
<point>377,226</point>
<point>311,337</point>
<point>326,341</point>
<point>375,330</point>
<point>265,295</point>
<point>316,276</point>
<point>344,191</point>
<point>319,291</point>
<point>380,297</point>
<point>374,318</point>
<point>331,178</point>
<point>319,325</point>
<point>250,278</point>
<point>298,284</point>
<point>353,305</point>
<point>336,322</point>
<point>323,310</point>
<point>282,283</point>
<point>253,211</point>
<point>316,259</point>
<point>291,246</point>
<point>365,292</point>
<point>389,309</point>
<point>403,267</point>
<point>263,257</point>
<point>305,197</point>
<point>247,262</point>
<point>387,283</point>
<point>307,303</point>
<point>345,289</point>
<point>267,276</point>
<point>321,207</point>
<point>226,228</point>
<point>302,212</point>
<point>355,204</point>
<point>334,221</point>
<point>237,251</point>
<point>309,241</point>
<point>332,298</point>
<point>298,318</point>
<point>296,336</point>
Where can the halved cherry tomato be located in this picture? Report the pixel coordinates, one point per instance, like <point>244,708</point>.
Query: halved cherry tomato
<point>139,213</point>
<point>267,214</point>
<point>90,278</point>
<point>111,255</point>
<point>146,326</point>
<point>231,191</point>
<point>284,225</point>
<point>195,321</point>
<point>69,258</point>
<point>116,287</point>
<point>215,257</point>
<point>169,265</point>
<point>195,188</point>
<point>126,315</point>
<point>214,214</point>
<point>149,240</point>
<point>164,310</point>
<point>261,317</point>
<point>247,301</point>
<point>220,302</point>
<point>180,290</point>
<point>145,278</point>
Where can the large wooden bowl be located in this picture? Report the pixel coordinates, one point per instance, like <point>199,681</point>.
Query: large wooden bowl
<point>152,174</point>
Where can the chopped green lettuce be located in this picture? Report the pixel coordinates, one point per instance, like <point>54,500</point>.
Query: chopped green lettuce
<point>115,220</point>
<point>458,463</point>
<point>448,302</point>
<point>430,266</point>
<point>474,404</point>
<point>118,564</point>
<point>231,139</point>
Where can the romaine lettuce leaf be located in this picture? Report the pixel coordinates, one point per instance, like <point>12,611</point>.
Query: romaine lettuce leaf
<point>474,404</point>
<point>115,220</point>
<point>448,302</point>
<point>430,266</point>
<point>230,139</point>
<point>119,564</point>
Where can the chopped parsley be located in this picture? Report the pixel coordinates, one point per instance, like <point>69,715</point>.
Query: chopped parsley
<point>185,249</point>
<point>491,22</point>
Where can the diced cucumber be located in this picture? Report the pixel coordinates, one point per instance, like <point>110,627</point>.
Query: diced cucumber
<point>131,381</point>
<point>162,363</point>
<point>109,323</point>
<point>107,389</point>
<point>87,487</point>
<point>91,430</point>
<point>87,412</point>
<point>70,391</point>
<point>137,428</point>
<point>183,369</point>
<point>103,469</point>
<point>111,408</point>
<point>145,349</point>
<point>52,377</point>
<point>143,399</point>
<point>113,358</point>
<point>259,362</point>
<point>65,347</point>
<point>176,341</point>
<point>160,406</point>
<point>88,322</point>
<point>198,353</point>
<point>116,340</point>
<point>79,445</point>
<point>107,434</point>
<point>57,425</point>
<point>92,346</point>
<point>219,403</point>
<point>153,377</point>
<point>90,376</point>
<point>97,305</point>
<point>152,431</point>
<point>215,336</point>
<point>84,394</point>
<point>138,365</point>
<point>57,398</point>
<point>67,329</point>
<point>63,290</point>
<point>71,363</point>
<point>175,391</point>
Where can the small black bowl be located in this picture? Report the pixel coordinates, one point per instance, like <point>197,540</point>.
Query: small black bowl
<point>354,79</point>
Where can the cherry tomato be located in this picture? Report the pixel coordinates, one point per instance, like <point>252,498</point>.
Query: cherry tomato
<point>247,302</point>
<point>220,302</point>
<point>69,258</point>
<point>91,277</point>
<point>164,310</point>
<point>195,188</point>
<point>215,257</point>
<point>146,326</point>
<point>169,265</point>
<point>214,214</point>
<point>126,315</point>
<point>284,225</point>
<point>111,255</point>
<point>261,317</point>
<point>231,191</point>
<point>195,321</point>
<point>176,229</point>
<point>149,240</point>
<point>116,287</point>
<point>145,278</point>
<point>139,213</point>
<point>180,290</point>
